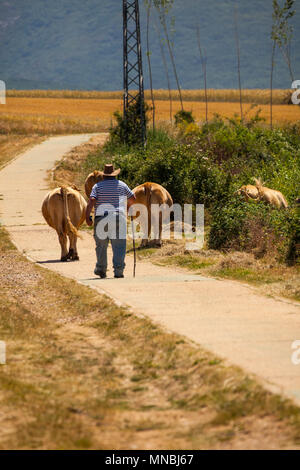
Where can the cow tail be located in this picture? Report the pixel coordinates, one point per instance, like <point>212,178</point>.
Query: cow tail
<point>69,226</point>
<point>148,193</point>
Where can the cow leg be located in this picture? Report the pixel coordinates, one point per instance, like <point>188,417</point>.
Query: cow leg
<point>73,255</point>
<point>157,230</point>
<point>63,243</point>
<point>71,249</point>
<point>159,242</point>
<point>145,230</point>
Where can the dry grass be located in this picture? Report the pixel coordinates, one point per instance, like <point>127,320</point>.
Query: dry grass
<point>68,171</point>
<point>282,114</point>
<point>46,125</point>
<point>269,277</point>
<point>69,115</point>
<point>82,373</point>
<point>257,96</point>
<point>12,145</point>
<point>53,116</point>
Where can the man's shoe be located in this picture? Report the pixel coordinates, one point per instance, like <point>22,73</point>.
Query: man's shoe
<point>119,276</point>
<point>102,274</point>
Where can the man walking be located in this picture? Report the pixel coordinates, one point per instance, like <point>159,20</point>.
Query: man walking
<point>110,198</point>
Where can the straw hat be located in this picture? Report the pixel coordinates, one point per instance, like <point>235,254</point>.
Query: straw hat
<point>109,170</point>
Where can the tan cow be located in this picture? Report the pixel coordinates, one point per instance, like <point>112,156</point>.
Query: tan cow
<point>249,192</point>
<point>64,210</point>
<point>91,180</point>
<point>148,194</point>
<point>271,196</point>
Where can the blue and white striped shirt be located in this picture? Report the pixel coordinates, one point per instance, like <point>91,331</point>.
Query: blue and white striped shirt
<point>111,196</point>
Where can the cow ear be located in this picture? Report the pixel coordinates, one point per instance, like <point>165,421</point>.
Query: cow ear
<point>75,187</point>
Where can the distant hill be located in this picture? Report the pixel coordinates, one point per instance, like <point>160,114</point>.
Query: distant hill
<point>75,44</point>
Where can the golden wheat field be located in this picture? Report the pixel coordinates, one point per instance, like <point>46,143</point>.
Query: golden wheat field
<point>44,115</point>
<point>256,96</point>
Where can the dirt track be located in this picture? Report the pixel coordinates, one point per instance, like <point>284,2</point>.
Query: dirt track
<point>230,319</point>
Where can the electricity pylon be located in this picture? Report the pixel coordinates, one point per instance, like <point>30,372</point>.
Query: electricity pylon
<point>133,68</point>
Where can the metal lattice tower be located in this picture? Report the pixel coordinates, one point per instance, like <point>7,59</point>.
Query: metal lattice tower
<point>133,68</point>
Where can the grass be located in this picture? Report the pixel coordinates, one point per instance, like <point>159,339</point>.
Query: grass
<point>82,373</point>
<point>247,275</point>
<point>269,277</point>
<point>25,124</point>
<point>54,116</point>
<point>13,144</point>
<point>256,96</point>
<point>189,261</point>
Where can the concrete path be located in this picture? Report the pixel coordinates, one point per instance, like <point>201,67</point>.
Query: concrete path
<point>226,317</point>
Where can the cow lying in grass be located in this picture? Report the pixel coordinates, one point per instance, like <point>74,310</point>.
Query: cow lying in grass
<point>64,210</point>
<point>249,192</point>
<point>261,193</point>
<point>270,196</point>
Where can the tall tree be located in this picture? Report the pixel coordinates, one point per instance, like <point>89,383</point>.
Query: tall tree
<point>271,82</point>
<point>238,51</point>
<point>203,63</point>
<point>281,36</point>
<point>163,7</point>
<point>166,70</point>
<point>148,4</point>
<point>282,31</point>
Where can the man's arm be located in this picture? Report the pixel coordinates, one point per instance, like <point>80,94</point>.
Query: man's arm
<point>91,204</point>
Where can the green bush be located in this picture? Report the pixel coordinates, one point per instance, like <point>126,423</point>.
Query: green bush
<point>128,131</point>
<point>257,228</point>
<point>208,166</point>
<point>184,117</point>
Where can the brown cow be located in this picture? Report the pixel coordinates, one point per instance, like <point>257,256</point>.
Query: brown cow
<point>91,180</point>
<point>64,210</point>
<point>148,194</point>
<point>271,196</point>
<point>249,192</point>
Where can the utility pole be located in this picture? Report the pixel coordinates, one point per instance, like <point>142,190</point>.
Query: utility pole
<point>132,57</point>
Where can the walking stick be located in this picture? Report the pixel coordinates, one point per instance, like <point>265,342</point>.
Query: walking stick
<point>134,251</point>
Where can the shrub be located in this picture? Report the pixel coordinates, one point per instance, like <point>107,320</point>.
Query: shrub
<point>184,117</point>
<point>256,228</point>
<point>293,252</point>
<point>128,131</point>
<point>207,165</point>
